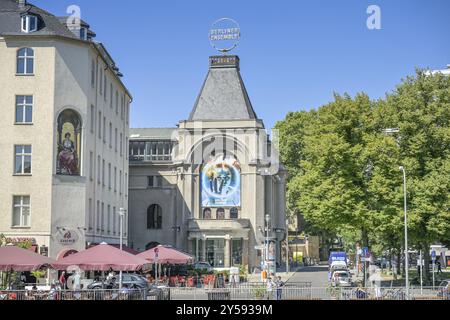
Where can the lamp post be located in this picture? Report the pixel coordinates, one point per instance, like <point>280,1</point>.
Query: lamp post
<point>267,242</point>
<point>406,234</point>
<point>287,245</point>
<point>121,215</point>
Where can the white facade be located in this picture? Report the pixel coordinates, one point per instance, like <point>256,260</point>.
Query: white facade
<point>65,212</point>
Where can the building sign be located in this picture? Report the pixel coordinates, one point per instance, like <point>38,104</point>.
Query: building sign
<point>18,240</point>
<point>224,35</point>
<point>67,237</point>
<point>221,182</point>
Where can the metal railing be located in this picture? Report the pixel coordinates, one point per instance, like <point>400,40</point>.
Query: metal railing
<point>256,291</point>
<point>94,294</point>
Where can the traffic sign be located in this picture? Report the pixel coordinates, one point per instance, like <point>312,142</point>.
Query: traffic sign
<point>433,255</point>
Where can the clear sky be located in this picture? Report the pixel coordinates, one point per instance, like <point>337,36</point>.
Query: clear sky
<point>294,54</point>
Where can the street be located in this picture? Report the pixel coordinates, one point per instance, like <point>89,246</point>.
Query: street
<point>317,275</point>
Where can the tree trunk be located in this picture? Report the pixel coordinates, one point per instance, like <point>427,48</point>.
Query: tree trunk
<point>364,238</point>
<point>399,261</point>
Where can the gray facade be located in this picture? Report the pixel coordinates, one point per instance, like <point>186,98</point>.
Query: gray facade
<point>206,186</point>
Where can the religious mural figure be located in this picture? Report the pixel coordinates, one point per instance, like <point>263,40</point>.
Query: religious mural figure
<point>67,156</point>
<point>68,142</point>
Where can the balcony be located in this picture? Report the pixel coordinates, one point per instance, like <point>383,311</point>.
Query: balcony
<point>218,224</point>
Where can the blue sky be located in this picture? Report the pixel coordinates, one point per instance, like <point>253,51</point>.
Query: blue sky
<point>294,54</point>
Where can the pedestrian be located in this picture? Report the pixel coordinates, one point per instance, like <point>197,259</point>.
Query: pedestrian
<point>279,286</point>
<point>269,287</point>
<point>62,280</point>
<point>77,281</point>
<point>439,269</point>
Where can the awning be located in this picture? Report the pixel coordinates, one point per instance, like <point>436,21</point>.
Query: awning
<point>18,259</point>
<point>102,257</point>
<point>166,254</point>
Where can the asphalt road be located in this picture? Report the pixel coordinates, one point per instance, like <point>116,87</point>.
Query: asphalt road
<point>317,275</point>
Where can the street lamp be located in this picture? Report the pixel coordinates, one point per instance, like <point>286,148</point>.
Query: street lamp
<point>267,241</point>
<point>121,215</point>
<point>406,233</point>
<point>287,245</point>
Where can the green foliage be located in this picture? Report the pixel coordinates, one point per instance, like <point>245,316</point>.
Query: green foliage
<point>39,273</point>
<point>343,168</point>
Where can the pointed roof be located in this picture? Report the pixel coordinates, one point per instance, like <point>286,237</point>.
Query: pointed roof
<point>223,95</point>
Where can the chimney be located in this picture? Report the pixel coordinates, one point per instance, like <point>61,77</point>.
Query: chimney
<point>22,3</point>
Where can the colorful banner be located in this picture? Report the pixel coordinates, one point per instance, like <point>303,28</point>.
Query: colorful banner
<point>221,183</point>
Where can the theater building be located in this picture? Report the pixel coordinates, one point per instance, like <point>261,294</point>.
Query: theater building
<point>211,186</point>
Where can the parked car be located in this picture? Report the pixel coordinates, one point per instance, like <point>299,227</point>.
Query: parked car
<point>444,289</point>
<point>132,280</point>
<point>341,278</point>
<point>203,265</point>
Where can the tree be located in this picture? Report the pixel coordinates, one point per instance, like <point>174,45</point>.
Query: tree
<point>343,168</point>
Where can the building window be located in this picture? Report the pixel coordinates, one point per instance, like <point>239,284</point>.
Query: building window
<point>104,129</point>
<point>99,163</point>
<point>83,33</point>
<point>104,86</point>
<point>22,162</point>
<point>91,165</point>
<point>126,185</point>
<point>117,102</point>
<point>150,150</point>
<point>108,219</point>
<point>121,106</point>
<point>93,74</point>
<point>114,220</point>
<point>24,109</point>
<point>110,135</point>
<point>99,124</point>
<point>154,181</point>
<point>102,223</point>
<point>115,139</point>
<point>154,217</point>
<point>121,144</point>
<point>120,182</point>
<point>220,213</point>
<point>29,23</point>
<point>101,80</point>
<point>25,61</point>
<point>127,115</point>
<point>207,213</point>
<point>103,172</point>
<point>91,215</point>
<point>109,176</point>
<point>115,179</point>
<point>234,213</point>
<point>68,143</point>
<point>236,254</point>
<point>98,217</point>
<point>92,118</point>
<point>21,211</point>
<point>111,95</point>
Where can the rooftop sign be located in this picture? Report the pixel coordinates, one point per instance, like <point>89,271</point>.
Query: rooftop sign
<point>224,35</point>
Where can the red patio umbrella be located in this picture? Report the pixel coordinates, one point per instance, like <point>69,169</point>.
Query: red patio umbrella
<point>18,259</point>
<point>166,254</point>
<point>102,257</point>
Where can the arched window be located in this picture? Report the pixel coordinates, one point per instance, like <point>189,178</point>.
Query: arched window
<point>154,217</point>
<point>25,61</point>
<point>68,143</point>
<point>220,213</point>
<point>207,213</point>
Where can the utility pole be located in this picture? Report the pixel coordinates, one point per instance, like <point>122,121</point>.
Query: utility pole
<point>121,215</point>
<point>287,245</point>
<point>406,234</point>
